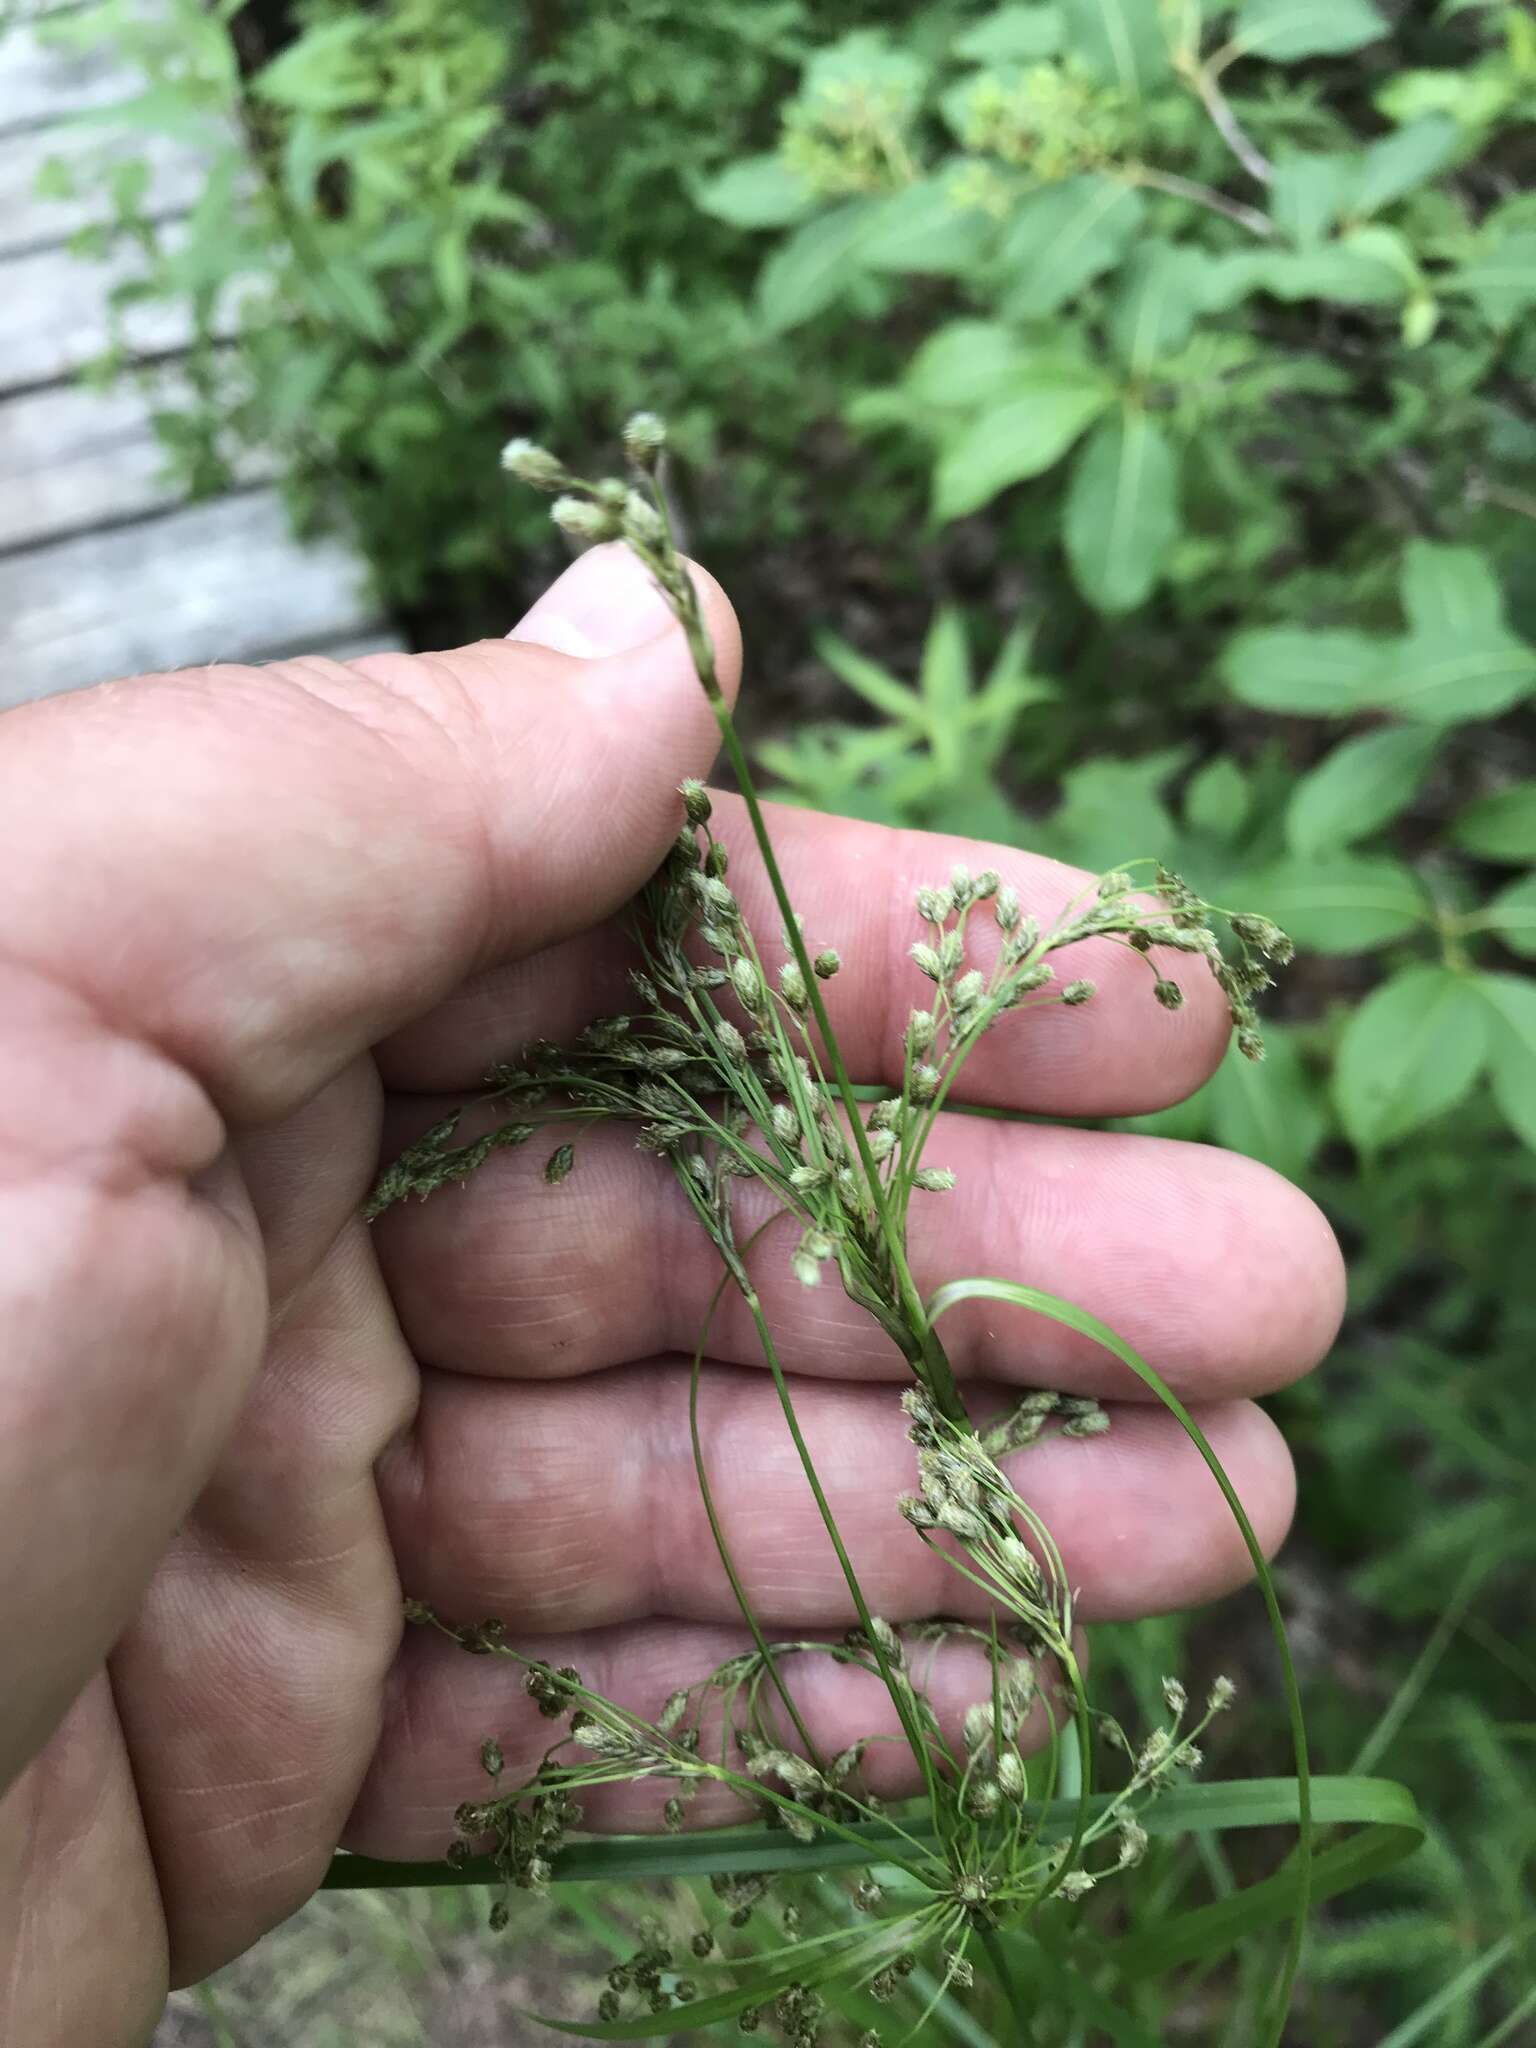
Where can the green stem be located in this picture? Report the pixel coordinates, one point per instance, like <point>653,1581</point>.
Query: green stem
<point>997,1957</point>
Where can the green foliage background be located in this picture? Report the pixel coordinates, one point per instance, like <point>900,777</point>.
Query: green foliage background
<point>1115,422</point>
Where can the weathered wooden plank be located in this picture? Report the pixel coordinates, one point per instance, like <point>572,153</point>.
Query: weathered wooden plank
<point>43,80</point>
<point>56,315</point>
<point>218,582</point>
<point>177,172</point>
<point>72,458</point>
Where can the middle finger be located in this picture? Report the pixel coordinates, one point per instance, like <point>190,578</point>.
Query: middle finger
<point>1222,1274</point>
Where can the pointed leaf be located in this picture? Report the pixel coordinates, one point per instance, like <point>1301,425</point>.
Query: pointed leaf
<point>1122,512</point>
<point>1121,41</point>
<point>813,268</point>
<point>1512,1049</point>
<point>1019,34</point>
<point>1284,30</point>
<point>1062,237</point>
<point>922,231</point>
<point>1410,1052</point>
<point>1158,298</point>
<point>1459,660</point>
<point>757,192</point>
<point>967,364</point>
<point>1512,914</point>
<point>1218,799</point>
<point>1341,903</point>
<point>1402,161</point>
<point>1270,1112</point>
<point>1501,826</point>
<point>1309,193</point>
<point>1286,668</point>
<point>1019,438</point>
<point>1359,786</point>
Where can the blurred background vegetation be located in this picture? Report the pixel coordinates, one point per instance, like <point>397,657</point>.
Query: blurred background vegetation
<point>1116,423</point>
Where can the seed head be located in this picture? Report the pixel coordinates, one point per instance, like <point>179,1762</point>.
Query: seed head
<point>499,1916</point>
<point>732,1044</point>
<point>645,436</point>
<point>584,519</point>
<point>792,986</point>
<point>1175,1695</point>
<point>1077,992</point>
<point>1077,1884</point>
<point>745,981</point>
<point>925,1084</point>
<point>1169,994</point>
<point>934,905</point>
<point>921,1028</point>
<point>491,1758</point>
<point>826,963</point>
<point>933,1180</point>
<point>643,524</point>
<point>927,961</point>
<point>1007,909</point>
<point>696,804</point>
<point>533,465</point>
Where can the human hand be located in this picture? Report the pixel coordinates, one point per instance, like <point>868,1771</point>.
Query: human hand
<point>243,905</point>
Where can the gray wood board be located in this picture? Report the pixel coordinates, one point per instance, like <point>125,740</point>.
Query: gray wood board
<point>89,154</point>
<point>56,318</point>
<point>42,80</point>
<point>224,581</point>
<point>72,458</point>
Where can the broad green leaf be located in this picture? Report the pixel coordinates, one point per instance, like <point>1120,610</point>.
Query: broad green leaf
<point>920,229</point>
<point>1512,1049</point>
<point>1019,438</point>
<point>1512,914</point>
<point>1062,237</point>
<point>1012,35</point>
<point>757,192</point>
<point>1270,1111</point>
<point>1341,903</point>
<point>1121,41</point>
<point>1218,800</point>
<point>812,269</point>
<point>1401,162</point>
<point>1359,786</point>
<point>1122,511</point>
<point>1410,1052</point>
<point>1353,272</point>
<point>1113,811</point>
<point>1157,299</point>
<point>1309,193</point>
<point>1459,660</point>
<point>967,364</point>
<point>1325,674</point>
<point>1501,826</point>
<point>1285,30</point>
<point>1501,279</point>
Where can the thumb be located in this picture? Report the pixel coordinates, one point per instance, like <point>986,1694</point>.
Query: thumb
<point>260,872</point>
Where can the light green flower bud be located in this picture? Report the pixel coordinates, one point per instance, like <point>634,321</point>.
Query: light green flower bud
<point>533,465</point>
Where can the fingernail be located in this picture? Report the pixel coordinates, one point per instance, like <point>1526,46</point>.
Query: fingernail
<point>605,603</point>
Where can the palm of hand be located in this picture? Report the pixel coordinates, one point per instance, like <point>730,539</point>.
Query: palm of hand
<point>271,1417</point>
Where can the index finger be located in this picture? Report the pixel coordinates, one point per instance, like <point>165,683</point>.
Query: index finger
<point>854,885</point>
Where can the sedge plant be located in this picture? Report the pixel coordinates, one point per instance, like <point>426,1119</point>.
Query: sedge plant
<point>728,1069</point>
